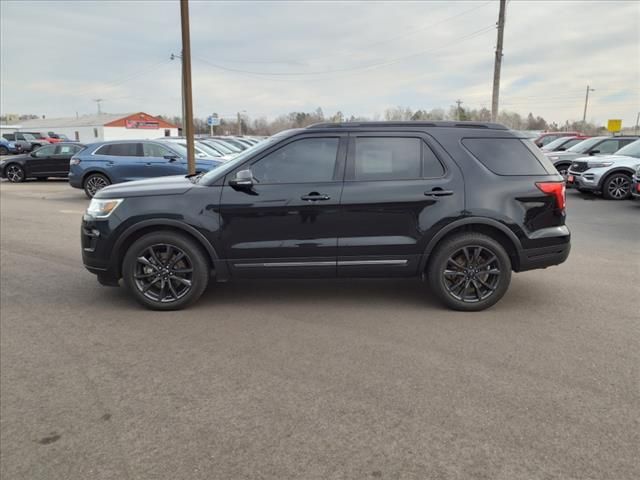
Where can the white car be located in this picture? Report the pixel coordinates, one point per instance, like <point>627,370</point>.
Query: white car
<point>202,150</point>
<point>610,175</point>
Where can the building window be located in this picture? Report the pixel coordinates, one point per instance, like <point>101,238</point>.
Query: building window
<point>167,132</point>
<point>95,132</point>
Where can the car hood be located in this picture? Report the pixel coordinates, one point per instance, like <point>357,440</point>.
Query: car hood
<point>617,159</point>
<point>173,185</point>
<point>19,158</point>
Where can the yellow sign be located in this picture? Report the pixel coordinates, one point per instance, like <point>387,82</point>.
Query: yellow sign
<point>614,125</point>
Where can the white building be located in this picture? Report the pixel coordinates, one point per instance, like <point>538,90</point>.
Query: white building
<point>105,126</point>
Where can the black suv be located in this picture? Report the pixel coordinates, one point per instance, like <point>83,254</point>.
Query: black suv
<point>459,204</point>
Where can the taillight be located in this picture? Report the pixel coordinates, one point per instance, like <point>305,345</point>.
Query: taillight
<point>74,161</point>
<point>557,190</point>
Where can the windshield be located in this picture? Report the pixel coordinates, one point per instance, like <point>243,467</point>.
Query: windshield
<point>631,150</point>
<point>231,164</point>
<point>556,143</point>
<point>219,146</point>
<point>585,145</point>
<point>212,152</point>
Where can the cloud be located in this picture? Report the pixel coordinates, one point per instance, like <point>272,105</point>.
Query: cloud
<point>418,54</point>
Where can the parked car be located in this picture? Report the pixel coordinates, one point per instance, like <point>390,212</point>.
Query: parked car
<point>7,147</point>
<point>202,149</point>
<point>563,143</point>
<point>635,185</point>
<point>42,138</point>
<point>21,141</point>
<point>41,163</point>
<point>461,204</point>
<point>104,163</point>
<point>60,136</point>
<point>548,137</point>
<point>233,141</point>
<point>223,148</point>
<point>610,175</point>
<point>592,146</point>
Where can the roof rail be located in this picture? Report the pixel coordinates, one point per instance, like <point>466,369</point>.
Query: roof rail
<point>487,125</point>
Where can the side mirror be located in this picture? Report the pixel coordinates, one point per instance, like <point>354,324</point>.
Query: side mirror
<point>594,152</point>
<point>243,179</point>
<point>561,149</point>
<point>171,158</point>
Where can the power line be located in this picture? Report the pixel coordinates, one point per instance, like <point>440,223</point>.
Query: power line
<point>350,69</point>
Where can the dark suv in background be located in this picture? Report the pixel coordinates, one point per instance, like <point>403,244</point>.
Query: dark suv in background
<point>459,204</point>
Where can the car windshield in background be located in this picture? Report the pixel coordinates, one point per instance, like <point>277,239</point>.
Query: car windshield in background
<point>585,145</point>
<point>631,150</point>
<point>556,143</point>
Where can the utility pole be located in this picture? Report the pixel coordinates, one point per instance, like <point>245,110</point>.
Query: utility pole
<point>459,102</point>
<point>186,83</point>
<point>637,123</point>
<point>498,63</point>
<point>239,125</point>
<point>98,101</point>
<point>586,100</point>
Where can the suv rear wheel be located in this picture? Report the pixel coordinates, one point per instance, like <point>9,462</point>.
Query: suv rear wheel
<point>617,187</point>
<point>165,270</point>
<point>469,272</point>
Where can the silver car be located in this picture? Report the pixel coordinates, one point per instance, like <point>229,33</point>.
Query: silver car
<point>610,175</point>
<point>591,146</point>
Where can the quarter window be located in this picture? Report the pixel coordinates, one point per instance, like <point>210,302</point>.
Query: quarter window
<point>309,160</point>
<point>508,156</point>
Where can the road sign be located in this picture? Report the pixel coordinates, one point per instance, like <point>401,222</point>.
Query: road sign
<point>614,125</point>
<point>213,121</point>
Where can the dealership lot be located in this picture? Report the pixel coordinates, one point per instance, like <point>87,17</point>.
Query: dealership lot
<point>317,379</point>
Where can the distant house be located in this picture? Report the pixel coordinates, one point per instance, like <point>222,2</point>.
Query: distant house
<point>105,126</point>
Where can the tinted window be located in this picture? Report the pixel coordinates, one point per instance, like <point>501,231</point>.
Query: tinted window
<point>431,166</point>
<point>387,158</point>
<point>154,150</point>
<point>302,161</point>
<point>9,136</point>
<point>120,150</point>
<point>608,146</point>
<point>44,151</point>
<point>506,156</point>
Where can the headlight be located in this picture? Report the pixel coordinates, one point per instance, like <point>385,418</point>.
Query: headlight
<point>599,164</point>
<point>100,208</point>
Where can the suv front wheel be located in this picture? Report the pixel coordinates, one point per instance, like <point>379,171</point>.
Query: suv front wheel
<point>165,270</point>
<point>469,272</point>
<point>617,187</point>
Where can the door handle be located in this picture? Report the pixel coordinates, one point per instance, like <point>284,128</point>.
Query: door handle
<point>438,192</point>
<point>314,197</point>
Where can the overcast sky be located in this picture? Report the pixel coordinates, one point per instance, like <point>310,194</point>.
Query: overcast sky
<point>270,58</point>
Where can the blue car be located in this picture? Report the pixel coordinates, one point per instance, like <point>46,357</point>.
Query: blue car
<point>7,147</point>
<point>105,163</point>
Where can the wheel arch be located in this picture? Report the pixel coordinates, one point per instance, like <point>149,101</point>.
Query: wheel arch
<point>486,226</point>
<point>19,164</point>
<point>95,170</point>
<point>626,170</point>
<point>134,232</point>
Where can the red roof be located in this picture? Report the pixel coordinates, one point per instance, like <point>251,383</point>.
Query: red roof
<point>140,117</point>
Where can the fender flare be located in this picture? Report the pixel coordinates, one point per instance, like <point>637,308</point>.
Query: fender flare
<point>220,266</point>
<point>468,221</point>
<point>627,170</point>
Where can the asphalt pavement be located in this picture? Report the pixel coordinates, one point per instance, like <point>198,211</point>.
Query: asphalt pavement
<point>316,379</point>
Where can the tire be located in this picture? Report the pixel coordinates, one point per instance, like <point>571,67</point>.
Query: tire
<point>94,182</point>
<point>14,173</point>
<point>563,169</point>
<point>3,150</point>
<point>465,287</point>
<point>617,187</point>
<point>147,267</point>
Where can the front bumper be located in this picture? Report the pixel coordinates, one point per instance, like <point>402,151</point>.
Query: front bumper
<point>587,180</point>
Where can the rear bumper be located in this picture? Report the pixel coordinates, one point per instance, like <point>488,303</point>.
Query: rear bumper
<point>554,247</point>
<point>635,187</point>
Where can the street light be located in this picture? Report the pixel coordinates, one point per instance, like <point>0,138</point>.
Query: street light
<point>586,100</point>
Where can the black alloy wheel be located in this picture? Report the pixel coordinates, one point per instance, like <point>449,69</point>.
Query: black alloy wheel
<point>95,182</point>
<point>617,187</point>
<point>469,271</point>
<point>165,270</point>
<point>14,173</point>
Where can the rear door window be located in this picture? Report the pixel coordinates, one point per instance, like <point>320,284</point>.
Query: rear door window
<point>121,150</point>
<point>387,158</point>
<point>509,156</point>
